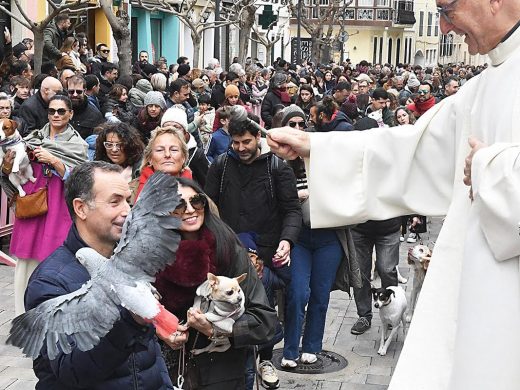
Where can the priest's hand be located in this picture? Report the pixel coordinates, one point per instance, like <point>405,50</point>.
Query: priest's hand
<point>475,145</point>
<point>289,143</point>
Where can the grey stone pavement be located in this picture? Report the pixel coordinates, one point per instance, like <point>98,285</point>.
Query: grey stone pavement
<point>366,370</point>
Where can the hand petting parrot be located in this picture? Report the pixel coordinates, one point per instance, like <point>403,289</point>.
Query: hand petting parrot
<point>148,244</point>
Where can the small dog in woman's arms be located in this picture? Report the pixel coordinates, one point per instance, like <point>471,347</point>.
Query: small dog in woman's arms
<point>10,139</point>
<point>222,301</point>
<point>391,302</point>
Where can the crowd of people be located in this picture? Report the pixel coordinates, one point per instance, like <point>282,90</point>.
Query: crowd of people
<point>177,119</point>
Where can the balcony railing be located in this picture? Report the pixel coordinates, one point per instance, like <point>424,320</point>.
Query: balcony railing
<point>403,12</point>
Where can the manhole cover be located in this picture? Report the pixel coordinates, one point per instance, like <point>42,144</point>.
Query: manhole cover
<point>327,362</point>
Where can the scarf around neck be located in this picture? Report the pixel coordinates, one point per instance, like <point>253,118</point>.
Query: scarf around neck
<point>68,145</point>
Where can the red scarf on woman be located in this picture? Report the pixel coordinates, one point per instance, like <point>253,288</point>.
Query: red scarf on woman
<point>149,171</point>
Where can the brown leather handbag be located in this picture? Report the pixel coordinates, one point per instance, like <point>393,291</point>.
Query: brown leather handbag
<point>32,205</point>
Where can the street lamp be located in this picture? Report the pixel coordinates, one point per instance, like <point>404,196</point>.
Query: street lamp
<point>216,39</point>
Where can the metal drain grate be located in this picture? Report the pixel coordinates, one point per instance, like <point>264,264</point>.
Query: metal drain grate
<point>327,362</point>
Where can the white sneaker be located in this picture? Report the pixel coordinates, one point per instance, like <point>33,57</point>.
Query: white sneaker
<point>309,358</point>
<point>412,237</point>
<point>289,363</point>
<point>401,238</point>
<point>268,375</point>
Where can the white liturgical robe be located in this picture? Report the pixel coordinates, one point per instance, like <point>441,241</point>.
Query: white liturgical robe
<point>465,333</point>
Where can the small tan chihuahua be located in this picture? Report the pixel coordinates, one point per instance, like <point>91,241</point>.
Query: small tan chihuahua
<point>223,301</point>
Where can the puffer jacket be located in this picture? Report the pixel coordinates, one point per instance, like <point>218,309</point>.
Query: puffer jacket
<point>128,357</point>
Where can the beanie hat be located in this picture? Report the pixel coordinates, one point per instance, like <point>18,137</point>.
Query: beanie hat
<point>232,90</point>
<point>290,112</point>
<point>197,83</point>
<point>413,82</point>
<point>183,70</point>
<point>155,97</point>
<point>248,241</point>
<point>144,85</point>
<point>175,114</point>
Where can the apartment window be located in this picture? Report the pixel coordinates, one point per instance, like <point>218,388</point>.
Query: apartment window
<point>375,51</point>
<point>350,14</point>
<point>389,50</point>
<point>324,2</point>
<point>365,14</point>
<point>421,23</point>
<point>397,50</point>
<point>381,50</point>
<point>382,3</point>
<point>436,25</point>
<point>315,13</point>
<point>383,14</point>
<point>365,3</point>
<point>430,22</point>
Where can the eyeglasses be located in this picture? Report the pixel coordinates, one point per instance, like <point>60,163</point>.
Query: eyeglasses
<point>112,145</point>
<point>423,92</point>
<point>106,51</point>
<point>60,111</point>
<point>197,201</point>
<point>75,91</point>
<point>301,124</point>
<point>444,10</point>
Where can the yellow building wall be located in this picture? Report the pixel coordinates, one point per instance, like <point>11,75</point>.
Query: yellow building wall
<point>102,28</point>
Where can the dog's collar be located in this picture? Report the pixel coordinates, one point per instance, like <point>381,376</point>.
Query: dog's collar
<point>8,142</point>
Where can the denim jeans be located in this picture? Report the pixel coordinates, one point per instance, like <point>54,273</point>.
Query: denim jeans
<point>314,262</point>
<point>387,254</point>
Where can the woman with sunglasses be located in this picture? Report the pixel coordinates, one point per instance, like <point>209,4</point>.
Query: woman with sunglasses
<point>209,245</point>
<point>54,151</point>
<point>316,259</point>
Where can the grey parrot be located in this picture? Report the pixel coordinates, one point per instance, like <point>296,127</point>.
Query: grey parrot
<point>148,244</point>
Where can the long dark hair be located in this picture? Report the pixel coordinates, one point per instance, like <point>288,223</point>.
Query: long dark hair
<point>226,241</point>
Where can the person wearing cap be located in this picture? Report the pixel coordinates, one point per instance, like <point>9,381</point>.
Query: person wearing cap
<point>218,93</point>
<point>149,117</point>
<point>316,257</point>
<point>197,162</point>
<point>411,87</point>
<point>277,94</point>
<point>232,98</point>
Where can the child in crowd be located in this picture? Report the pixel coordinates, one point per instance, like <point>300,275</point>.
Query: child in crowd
<point>208,113</point>
<point>220,140</point>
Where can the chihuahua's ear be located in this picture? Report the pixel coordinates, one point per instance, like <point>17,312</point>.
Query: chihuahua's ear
<point>213,280</point>
<point>373,289</point>
<point>14,124</point>
<point>241,278</point>
<point>393,292</point>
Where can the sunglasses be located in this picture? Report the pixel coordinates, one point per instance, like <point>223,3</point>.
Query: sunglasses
<point>106,51</point>
<point>75,91</point>
<point>423,92</point>
<point>60,111</point>
<point>112,145</point>
<point>301,124</point>
<point>197,201</point>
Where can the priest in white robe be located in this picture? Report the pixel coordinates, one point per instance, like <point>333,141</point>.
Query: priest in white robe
<point>465,333</point>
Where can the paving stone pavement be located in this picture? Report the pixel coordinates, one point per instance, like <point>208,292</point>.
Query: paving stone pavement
<point>366,370</point>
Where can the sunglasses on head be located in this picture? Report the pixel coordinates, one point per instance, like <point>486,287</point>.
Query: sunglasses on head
<point>60,111</point>
<point>197,201</point>
<point>301,124</point>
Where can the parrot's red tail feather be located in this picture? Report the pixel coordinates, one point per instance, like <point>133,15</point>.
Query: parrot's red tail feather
<point>165,323</point>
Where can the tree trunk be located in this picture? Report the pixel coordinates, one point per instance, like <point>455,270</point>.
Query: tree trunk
<point>268,53</point>
<point>121,34</point>
<point>38,50</point>
<point>246,25</point>
<point>196,39</point>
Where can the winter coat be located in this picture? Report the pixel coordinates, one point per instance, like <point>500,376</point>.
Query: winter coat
<point>348,274</point>
<point>22,125</point>
<point>145,124</point>
<point>52,41</point>
<point>219,144</point>
<point>34,112</point>
<point>177,285</point>
<point>128,357</point>
<point>86,117</point>
<point>271,100</point>
<point>197,162</point>
<point>339,122</point>
<point>95,64</point>
<point>104,88</point>
<point>259,197</point>
<point>218,95</point>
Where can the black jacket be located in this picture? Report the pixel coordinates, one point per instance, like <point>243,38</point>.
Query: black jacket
<point>199,164</point>
<point>218,95</point>
<point>34,112</point>
<point>22,125</point>
<point>128,357</point>
<point>340,123</point>
<point>260,197</point>
<point>85,118</point>
<point>104,88</point>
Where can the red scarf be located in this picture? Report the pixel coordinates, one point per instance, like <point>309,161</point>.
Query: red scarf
<point>178,282</point>
<point>284,96</point>
<point>419,108</point>
<point>149,171</point>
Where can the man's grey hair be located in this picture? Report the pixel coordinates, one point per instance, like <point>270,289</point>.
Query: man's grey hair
<point>213,63</point>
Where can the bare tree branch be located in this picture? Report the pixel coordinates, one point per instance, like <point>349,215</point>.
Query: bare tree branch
<point>15,17</point>
<point>22,12</point>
